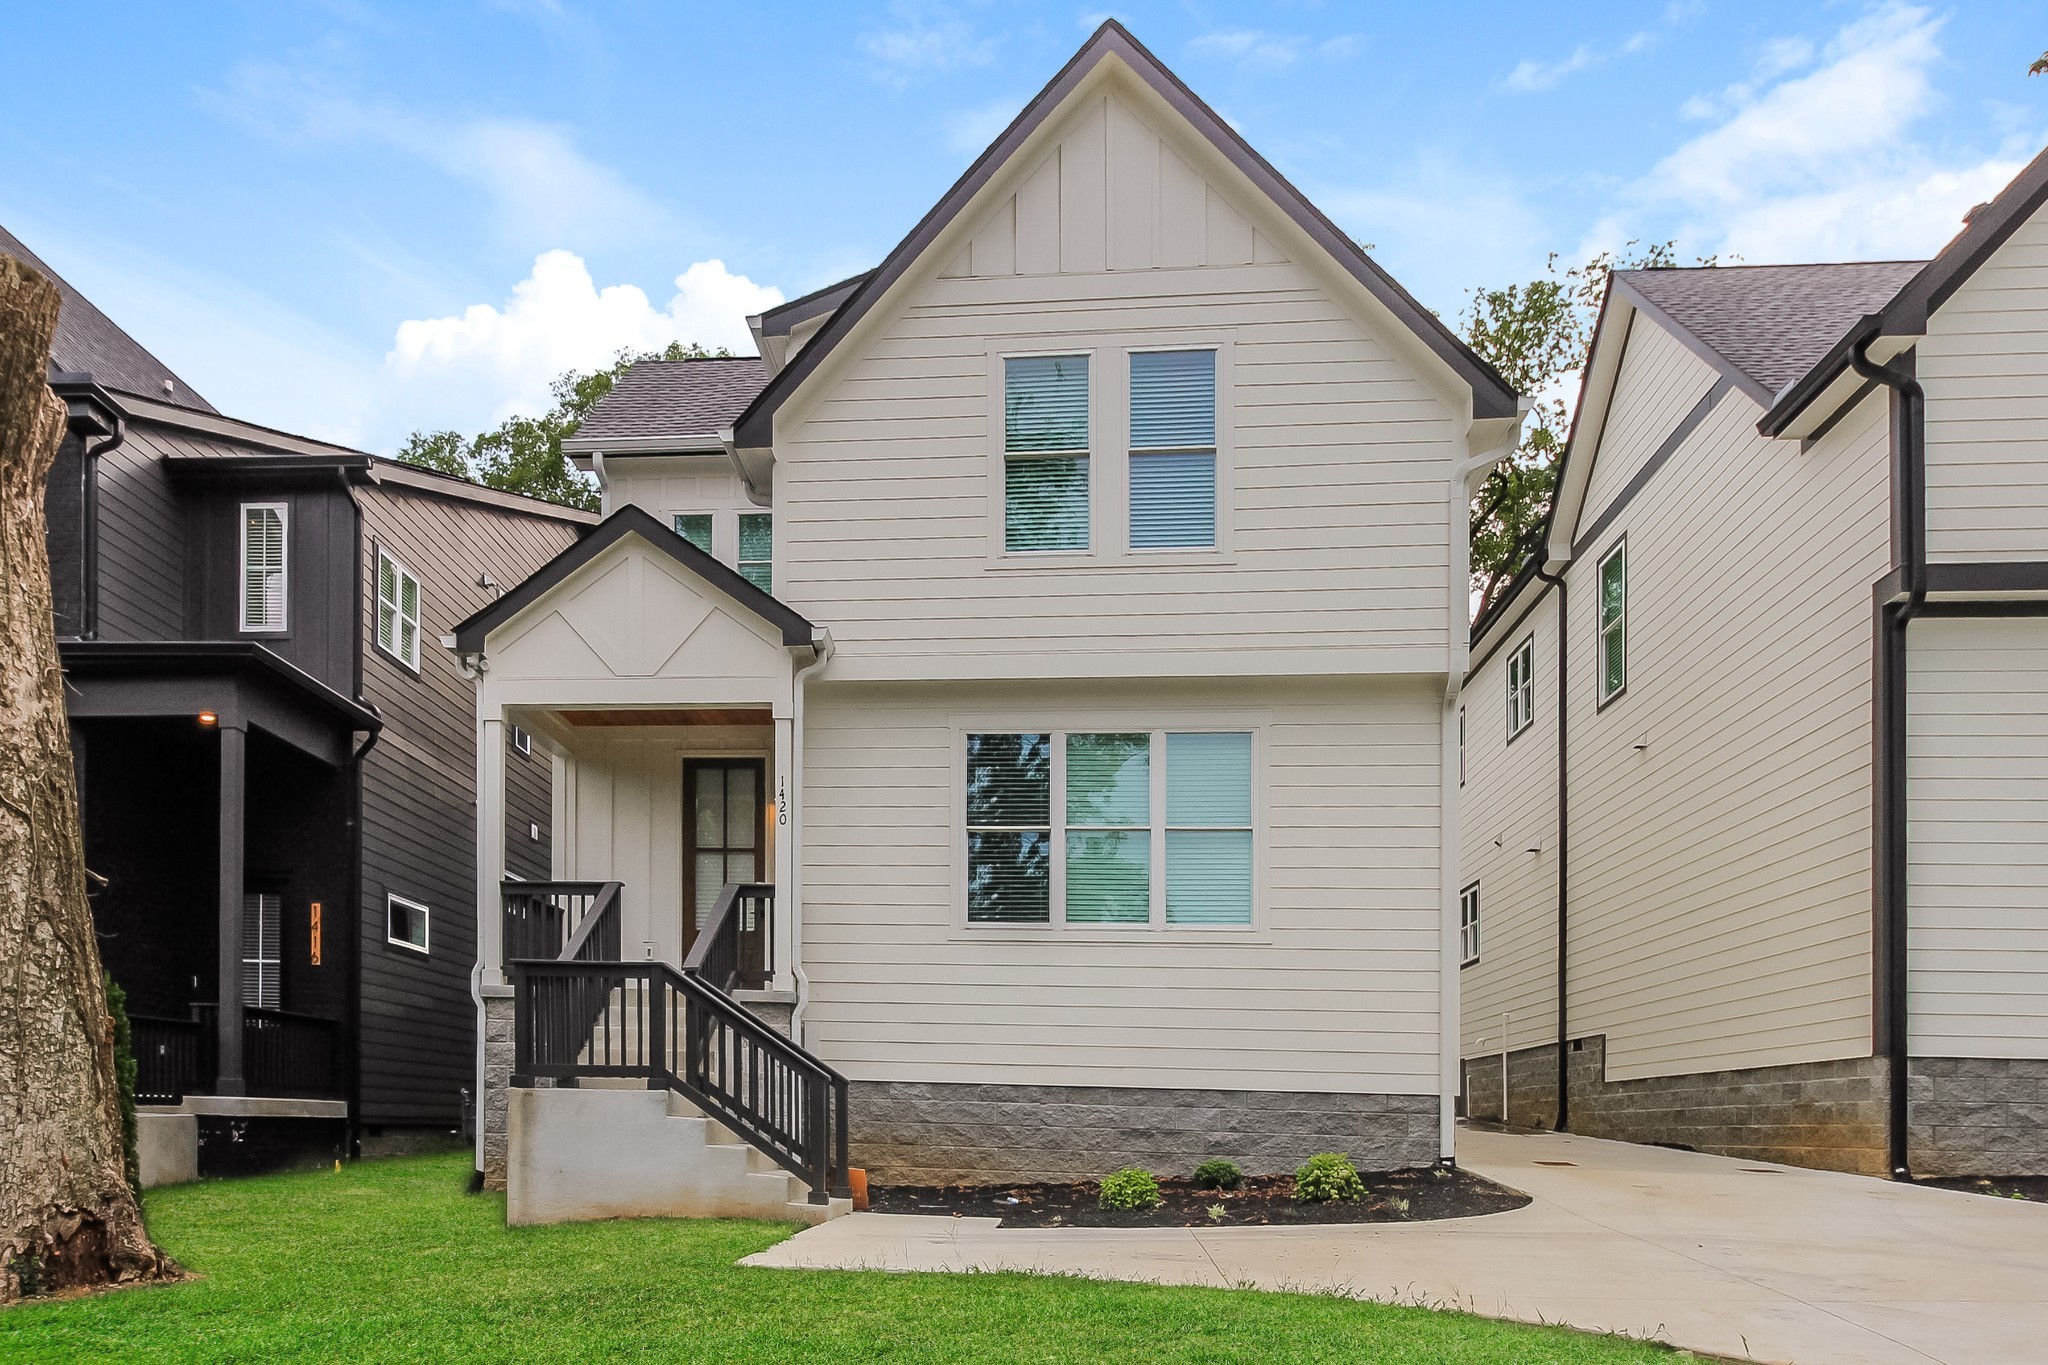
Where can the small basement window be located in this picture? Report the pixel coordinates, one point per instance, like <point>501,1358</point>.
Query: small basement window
<point>407,923</point>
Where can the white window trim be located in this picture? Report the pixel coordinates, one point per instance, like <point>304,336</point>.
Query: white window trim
<point>284,524</point>
<point>522,740</point>
<point>419,596</point>
<point>774,544</point>
<point>1109,490</point>
<point>426,924</point>
<point>1600,628</point>
<point>1468,925</point>
<point>1521,682</point>
<point>1157,724</point>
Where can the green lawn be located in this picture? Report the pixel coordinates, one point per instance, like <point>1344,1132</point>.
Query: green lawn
<point>392,1260</point>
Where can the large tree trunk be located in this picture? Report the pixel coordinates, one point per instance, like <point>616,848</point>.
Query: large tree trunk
<point>67,1216</point>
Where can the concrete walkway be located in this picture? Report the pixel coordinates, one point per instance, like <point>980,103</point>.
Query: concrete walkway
<point>1727,1257</point>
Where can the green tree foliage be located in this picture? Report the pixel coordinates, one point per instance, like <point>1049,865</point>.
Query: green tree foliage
<point>524,454</point>
<point>1537,335</point>
<point>124,1074</point>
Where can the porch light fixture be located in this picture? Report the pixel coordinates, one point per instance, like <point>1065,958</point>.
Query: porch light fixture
<point>208,719</point>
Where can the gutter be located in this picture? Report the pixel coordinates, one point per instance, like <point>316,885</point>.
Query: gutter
<point>1891,910</point>
<point>821,640</point>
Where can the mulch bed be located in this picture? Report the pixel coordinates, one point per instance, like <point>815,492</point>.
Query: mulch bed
<point>2031,1188</point>
<point>1263,1200</point>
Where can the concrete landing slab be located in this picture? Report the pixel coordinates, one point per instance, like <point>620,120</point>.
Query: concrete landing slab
<point>1728,1257</point>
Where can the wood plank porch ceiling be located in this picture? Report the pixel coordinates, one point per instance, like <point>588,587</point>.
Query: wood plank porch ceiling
<point>691,716</point>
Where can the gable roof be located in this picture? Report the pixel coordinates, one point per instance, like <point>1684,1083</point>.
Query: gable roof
<point>1492,396</point>
<point>633,521</point>
<point>1764,325</point>
<point>89,342</point>
<point>661,404</point>
<point>1831,379</point>
<point>784,317</point>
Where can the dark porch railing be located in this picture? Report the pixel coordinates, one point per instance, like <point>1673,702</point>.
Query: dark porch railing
<point>648,1020</point>
<point>284,1055</point>
<point>736,947</point>
<point>556,921</point>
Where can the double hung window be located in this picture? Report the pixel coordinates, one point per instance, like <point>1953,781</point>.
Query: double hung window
<point>263,566</point>
<point>695,527</point>
<point>398,610</point>
<point>1173,450</point>
<point>1614,623</point>
<point>756,559</point>
<point>1522,686</point>
<point>1110,828</point>
<point>1468,925</point>
<point>1045,453</point>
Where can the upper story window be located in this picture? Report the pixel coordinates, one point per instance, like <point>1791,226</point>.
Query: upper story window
<point>1614,623</point>
<point>695,527</point>
<point>1522,686</point>
<point>1173,450</point>
<point>1145,828</point>
<point>263,586</point>
<point>756,560</point>
<point>1045,453</point>
<point>398,610</point>
<point>1468,925</point>
<point>406,923</point>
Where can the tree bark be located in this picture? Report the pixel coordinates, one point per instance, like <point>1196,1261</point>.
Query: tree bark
<point>67,1216</point>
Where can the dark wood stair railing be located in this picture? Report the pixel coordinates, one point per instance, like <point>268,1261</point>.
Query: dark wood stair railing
<point>560,920</point>
<point>680,1030</point>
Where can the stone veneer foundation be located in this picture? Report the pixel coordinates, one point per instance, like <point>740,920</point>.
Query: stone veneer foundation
<point>1977,1116</point>
<point>918,1133</point>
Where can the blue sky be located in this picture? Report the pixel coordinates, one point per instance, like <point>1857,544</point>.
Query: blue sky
<point>353,219</point>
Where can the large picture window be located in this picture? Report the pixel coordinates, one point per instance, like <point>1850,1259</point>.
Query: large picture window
<point>1173,450</point>
<point>1614,623</point>
<point>1140,828</point>
<point>1045,453</point>
<point>263,585</point>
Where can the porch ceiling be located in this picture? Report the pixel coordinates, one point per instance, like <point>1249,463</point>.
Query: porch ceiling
<point>701,715</point>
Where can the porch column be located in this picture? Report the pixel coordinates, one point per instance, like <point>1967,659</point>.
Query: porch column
<point>228,1017</point>
<point>783,792</point>
<point>490,847</point>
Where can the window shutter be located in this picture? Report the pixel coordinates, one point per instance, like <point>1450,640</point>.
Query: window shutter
<point>1109,837</point>
<point>260,952</point>
<point>1173,417</point>
<point>409,618</point>
<point>387,603</point>
<point>1208,828</point>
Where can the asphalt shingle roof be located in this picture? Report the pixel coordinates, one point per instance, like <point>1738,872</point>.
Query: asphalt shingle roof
<point>1772,322</point>
<point>88,341</point>
<point>664,398</point>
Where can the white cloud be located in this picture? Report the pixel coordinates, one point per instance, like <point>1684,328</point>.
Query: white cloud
<point>1821,165</point>
<point>923,37</point>
<point>1257,48</point>
<point>1531,76</point>
<point>474,369</point>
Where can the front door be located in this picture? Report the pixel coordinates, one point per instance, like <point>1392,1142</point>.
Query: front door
<point>723,823</point>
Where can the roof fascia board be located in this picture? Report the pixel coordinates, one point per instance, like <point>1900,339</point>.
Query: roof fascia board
<point>228,428</point>
<point>698,443</point>
<point>471,635</point>
<point>784,317</point>
<point>462,490</point>
<point>1589,422</point>
<point>1492,396</point>
<point>1813,401</point>
<point>1686,338</point>
<point>213,468</point>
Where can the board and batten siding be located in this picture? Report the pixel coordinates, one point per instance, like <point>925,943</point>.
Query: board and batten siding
<point>1984,366</point>
<point>1333,470</point>
<point>1508,807</point>
<point>1658,384</point>
<point>1335,990</point>
<point>1977,815</point>
<point>1720,807</point>
<point>664,485</point>
<point>418,1023</point>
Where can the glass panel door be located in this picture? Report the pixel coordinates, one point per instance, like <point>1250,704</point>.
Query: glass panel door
<point>723,823</point>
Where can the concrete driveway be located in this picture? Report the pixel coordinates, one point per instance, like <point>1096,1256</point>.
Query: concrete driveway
<point>1734,1258</point>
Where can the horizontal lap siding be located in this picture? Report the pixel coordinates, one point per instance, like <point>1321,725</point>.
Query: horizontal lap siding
<point>142,531</point>
<point>1984,364</point>
<point>1977,809</point>
<point>419,794</point>
<point>1341,459</point>
<point>1338,995</point>
<point>1720,874</point>
<point>1508,807</point>
<point>1659,382</point>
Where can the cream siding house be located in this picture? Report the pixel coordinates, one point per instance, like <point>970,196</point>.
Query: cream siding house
<point>1802,914</point>
<point>1092,712</point>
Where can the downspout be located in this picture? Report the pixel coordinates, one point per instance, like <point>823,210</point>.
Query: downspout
<point>89,516</point>
<point>353,921</point>
<point>1564,848</point>
<point>821,641</point>
<point>1909,511</point>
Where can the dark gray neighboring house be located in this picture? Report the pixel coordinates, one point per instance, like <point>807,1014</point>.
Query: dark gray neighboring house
<point>277,763</point>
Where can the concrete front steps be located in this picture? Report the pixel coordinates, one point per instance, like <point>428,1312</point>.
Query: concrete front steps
<point>600,1152</point>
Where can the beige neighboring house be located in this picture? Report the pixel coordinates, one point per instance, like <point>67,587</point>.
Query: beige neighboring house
<point>1031,685</point>
<point>1756,753</point>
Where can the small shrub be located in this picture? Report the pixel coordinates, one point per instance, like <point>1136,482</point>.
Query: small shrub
<point>1218,1174</point>
<point>1216,1213</point>
<point>1327,1177</point>
<point>1129,1188</point>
